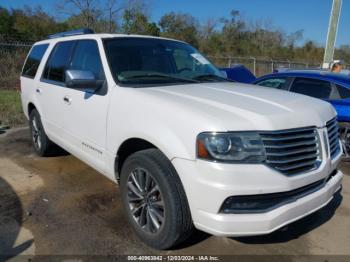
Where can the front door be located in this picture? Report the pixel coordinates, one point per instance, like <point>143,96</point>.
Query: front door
<point>85,112</point>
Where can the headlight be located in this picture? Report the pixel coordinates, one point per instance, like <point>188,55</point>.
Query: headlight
<point>238,147</point>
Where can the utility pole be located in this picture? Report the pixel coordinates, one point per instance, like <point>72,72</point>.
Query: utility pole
<point>332,33</point>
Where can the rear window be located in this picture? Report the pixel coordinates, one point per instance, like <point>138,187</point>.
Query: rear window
<point>33,61</point>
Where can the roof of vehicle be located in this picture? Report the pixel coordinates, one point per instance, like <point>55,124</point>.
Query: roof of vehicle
<point>98,36</point>
<point>339,78</point>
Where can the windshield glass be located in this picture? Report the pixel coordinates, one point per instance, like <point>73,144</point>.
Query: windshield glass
<point>152,61</point>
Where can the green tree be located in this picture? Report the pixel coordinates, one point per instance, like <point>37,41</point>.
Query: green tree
<point>343,53</point>
<point>34,24</point>
<point>180,26</point>
<point>135,22</point>
<point>6,22</point>
<point>82,13</point>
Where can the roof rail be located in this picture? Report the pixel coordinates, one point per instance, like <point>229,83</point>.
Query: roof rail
<point>82,31</point>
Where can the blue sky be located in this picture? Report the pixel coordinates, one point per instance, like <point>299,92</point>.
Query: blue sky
<point>289,15</point>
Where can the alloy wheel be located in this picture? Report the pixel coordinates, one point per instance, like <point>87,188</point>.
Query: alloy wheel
<point>145,201</point>
<point>36,133</point>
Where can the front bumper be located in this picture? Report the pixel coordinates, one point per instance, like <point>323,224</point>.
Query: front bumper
<point>208,184</point>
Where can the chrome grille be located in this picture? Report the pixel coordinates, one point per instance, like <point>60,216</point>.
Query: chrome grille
<point>333,137</point>
<point>292,151</point>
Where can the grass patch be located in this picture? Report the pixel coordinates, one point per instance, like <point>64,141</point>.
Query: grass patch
<point>11,109</point>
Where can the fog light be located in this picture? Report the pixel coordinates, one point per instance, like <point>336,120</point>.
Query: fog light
<point>248,204</point>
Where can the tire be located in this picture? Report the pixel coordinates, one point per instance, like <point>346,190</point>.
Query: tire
<point>344,133</point>
<point>43,146</point>
<point>167,207</point>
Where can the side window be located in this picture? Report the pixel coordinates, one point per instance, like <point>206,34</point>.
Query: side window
<point>343,92</point>
<point>312,87</point>
<point>277,83</point>
<point>58,60</point>
<point>86,57</point>
<point>33,61</point>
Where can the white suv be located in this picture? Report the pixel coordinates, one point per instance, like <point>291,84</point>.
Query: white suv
<point>187,147</point>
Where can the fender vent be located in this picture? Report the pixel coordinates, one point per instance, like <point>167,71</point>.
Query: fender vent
<point>333,137</point>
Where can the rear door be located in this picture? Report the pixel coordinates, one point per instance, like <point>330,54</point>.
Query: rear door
<point>85,111</point>
<point>50,89</point>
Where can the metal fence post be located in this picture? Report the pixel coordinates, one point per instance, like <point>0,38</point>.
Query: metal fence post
<point>254,65</point>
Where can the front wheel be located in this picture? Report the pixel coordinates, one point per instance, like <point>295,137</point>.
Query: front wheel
<point>154,199</point>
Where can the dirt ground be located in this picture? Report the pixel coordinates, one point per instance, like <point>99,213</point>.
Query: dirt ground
<point>61,206</point>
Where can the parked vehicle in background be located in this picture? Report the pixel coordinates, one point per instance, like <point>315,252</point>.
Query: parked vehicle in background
<point>187,147</point>
<point>239,73</point>
<point>287,69</point>
<point>334,88</point>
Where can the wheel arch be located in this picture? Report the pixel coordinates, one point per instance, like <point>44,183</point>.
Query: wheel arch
<point>30,107</point>
<point>127,148</point>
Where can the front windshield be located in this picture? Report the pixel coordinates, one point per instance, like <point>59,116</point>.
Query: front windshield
<point>152,61</point>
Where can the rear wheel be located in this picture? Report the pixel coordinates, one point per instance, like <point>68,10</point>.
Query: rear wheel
<point>41,143</point>
<point>154,199</point>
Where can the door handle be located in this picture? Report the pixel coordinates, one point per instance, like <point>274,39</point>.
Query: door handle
<point>38,90</point>
<point>67,100</point>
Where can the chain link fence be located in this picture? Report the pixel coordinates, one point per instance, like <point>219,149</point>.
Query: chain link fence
<point>260,67</point>
<point>12,56</point>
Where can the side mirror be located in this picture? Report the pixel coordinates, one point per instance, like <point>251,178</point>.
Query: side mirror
<point>82,79</point>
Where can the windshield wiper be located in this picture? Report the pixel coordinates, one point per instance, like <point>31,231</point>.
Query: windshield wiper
<point>210,77</point>
<point>188,80</point>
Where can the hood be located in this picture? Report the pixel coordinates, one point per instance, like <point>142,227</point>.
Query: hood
<point>239,106</point>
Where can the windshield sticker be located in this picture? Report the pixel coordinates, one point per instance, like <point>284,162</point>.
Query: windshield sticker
<point>201,59</point>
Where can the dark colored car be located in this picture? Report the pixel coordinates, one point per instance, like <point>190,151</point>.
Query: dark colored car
<point>334,88</point>
<point>239,73</point>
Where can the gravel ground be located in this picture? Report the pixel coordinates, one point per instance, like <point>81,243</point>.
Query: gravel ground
<point>60,206</point>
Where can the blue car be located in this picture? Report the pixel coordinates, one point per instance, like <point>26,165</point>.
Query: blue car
<point>239,73</point>
<point>334,88</point>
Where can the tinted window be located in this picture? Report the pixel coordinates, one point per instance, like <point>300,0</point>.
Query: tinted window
<point>181,60</point>
<point>343,92</point>
<point>86,57</point>
<point>33,61</point>
<point>145,61</point>
<point>277,83</point>
<point>312,87</point>
<point>58,61</point>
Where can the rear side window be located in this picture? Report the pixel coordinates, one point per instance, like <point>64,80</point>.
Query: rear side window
<point>277,83</point>
<point>33,61</point>
<point>58,61</point>
<point>312,87</point>
<point>87,57</point>
<point>343,92</point>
